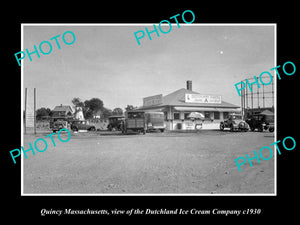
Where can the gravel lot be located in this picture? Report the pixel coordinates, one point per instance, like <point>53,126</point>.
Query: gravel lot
<point>155,163</point>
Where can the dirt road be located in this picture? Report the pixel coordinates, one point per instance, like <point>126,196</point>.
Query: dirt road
<point>155,163</point>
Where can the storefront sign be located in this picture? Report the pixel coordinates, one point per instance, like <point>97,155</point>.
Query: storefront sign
<point>197,98</point>
<point>152,100</point>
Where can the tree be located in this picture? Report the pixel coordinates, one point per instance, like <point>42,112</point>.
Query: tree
<point>88,114</point>
<point>130,107</point>
<point>94,104</point>
<point>91,107</point>
<point>42,113</point>
<point>117,111</point>
<point>77,102</point>
<point>106,113</point>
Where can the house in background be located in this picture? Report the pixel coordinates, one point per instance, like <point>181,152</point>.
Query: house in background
<point>62,111</point>
<point>97,115</point>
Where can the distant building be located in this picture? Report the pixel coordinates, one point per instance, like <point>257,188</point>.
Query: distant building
<point>97,115</point>
<point>78,114</point>
<point>179,104</point>
<point>62,110</point>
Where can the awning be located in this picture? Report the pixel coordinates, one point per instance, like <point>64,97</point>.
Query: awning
<point>228,110</point>
<point>196,115</point>
<point>155,110</point>
<point>206,109</point>
<point>195,109</point>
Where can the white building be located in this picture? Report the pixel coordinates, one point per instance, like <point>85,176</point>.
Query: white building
<point>179,104</point>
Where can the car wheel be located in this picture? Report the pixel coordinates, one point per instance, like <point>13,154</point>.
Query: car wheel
<point>92,129</point>
<point>221,126</point>
<point>231,128</point>
<point>75,128</point>
<point>271,129</point>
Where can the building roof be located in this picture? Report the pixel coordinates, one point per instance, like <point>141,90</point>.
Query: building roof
<point>267,113</point>
<point>62,108</point>
<point>116,116</point>
<point>177,98</point>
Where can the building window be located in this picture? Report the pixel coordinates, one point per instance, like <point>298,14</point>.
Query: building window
<point>186,116</point>
<point>216,115</point>
<point>176,116</point>
<point>207,115</point>
<point>225,115</point>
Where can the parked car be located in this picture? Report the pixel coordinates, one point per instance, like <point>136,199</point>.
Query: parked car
<point>57,123</point>
<point>234,122</point>
<point>82,125</point>
<point>135,121</point>
<point>115,122</point>
<point>261,122</point>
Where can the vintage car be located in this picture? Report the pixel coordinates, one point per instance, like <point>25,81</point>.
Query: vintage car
<point>82,125</point>
<point>58,124</point>
<point>262,121</point>
<point>135,121</point>
<point>115,122</point>
<point>235,123</point>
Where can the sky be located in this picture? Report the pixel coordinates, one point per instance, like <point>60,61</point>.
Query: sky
<point>106,62</point>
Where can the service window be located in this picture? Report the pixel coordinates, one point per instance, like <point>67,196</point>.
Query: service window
<point>176,116</point>
<point>207,115</point>
<point>216,115</point>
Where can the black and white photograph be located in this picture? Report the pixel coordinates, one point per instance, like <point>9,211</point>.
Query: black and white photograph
<point>150,112</point>
<point>159,116</point>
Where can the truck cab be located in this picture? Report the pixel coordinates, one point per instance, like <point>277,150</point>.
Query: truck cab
<point>115,122</point>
